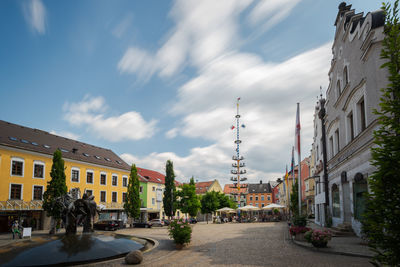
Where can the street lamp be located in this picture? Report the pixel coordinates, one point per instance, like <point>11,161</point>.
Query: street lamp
<point>321,116</point>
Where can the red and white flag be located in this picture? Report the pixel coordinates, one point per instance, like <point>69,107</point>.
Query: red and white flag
<point>297,139</point>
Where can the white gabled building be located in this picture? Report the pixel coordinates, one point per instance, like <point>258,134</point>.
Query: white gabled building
<point>355,79</point>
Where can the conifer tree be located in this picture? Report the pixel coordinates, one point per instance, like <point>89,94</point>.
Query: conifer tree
<point>381,221</point>
<point>132,202</point>
<point>169,199</point>
<point>56,187</point>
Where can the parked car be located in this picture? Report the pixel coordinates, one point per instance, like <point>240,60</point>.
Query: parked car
<point>156,222</point>
<point>107,225</point>
<point>192,220</point>
<point>166,222</point>
<point>121,224</point>
<point>141,225</point>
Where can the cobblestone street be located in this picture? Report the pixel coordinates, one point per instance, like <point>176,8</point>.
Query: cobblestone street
<point>252,244</point>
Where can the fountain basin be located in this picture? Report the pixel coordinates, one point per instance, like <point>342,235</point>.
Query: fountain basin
<point>73,249</point>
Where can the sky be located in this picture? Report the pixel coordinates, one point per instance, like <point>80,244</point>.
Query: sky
<point>158,80</point>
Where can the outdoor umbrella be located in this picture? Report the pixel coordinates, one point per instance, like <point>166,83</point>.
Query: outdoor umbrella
<point>226,209</point>
<point>273,206</point>
<point>248,208</point>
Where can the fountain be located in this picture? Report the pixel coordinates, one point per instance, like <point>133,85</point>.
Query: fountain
<point>72,248</point>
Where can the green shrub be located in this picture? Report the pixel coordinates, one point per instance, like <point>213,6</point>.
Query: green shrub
<point>180,231</point>
<point>300,220</point>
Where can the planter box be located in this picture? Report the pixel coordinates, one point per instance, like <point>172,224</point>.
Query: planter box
<point>299,237</point>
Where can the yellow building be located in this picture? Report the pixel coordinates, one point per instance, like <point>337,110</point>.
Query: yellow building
<point>25,165</point>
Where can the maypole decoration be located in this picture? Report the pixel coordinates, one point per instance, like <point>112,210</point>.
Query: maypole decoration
<point>239,164</point>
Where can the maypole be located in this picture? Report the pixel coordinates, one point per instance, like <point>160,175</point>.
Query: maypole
<point>239,164</point>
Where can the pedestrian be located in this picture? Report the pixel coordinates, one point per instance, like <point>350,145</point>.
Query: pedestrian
<point>15,229</point>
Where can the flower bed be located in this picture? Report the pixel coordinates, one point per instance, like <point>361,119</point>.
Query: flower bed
<point>295,230</point>
<point>180,231</point>
<point>318,238</point>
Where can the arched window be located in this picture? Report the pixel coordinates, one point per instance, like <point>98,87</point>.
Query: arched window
<point>360,187</point>
<point>338,89</point>
<point>345,76</point>
<point>335,201</point>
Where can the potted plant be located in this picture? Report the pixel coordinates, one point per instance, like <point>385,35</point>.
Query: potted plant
<point>181,232</point>
<point>298,227</point>
<point>298,232</point>
<point>318,238</point>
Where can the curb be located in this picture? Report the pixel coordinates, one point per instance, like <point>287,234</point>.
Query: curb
<point>154,243</point>
<point>351,254</point>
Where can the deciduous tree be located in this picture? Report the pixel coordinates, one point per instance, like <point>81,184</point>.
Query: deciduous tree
<point>381,222</point>
<point>209,203</point>
<point>189,202</point>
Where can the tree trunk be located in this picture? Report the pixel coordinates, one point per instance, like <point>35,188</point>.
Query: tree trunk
<point>207,218</point>
<point>52,226</point>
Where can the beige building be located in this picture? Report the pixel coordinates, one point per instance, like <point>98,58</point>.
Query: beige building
<point>204,187</point>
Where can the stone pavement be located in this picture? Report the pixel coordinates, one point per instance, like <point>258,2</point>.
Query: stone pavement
<point>232,244</point>
<point>342,245</point>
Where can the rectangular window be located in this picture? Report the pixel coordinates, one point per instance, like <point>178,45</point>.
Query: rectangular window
<point>350,126</point>
<point>37,192</point>
<point>103,179</point>
<point>102,196</point>
<point>17,167</point>
<point>268,198</point>
<point>125,181</point>
<point>124,197</point>
<point>256,204</point>
<point>251,198</point>
<point>114,197</point>
<point>141,189</point>
<point>337,141</point>
<point>262,205</point>
<point>75,175</point>
<point>262,198</point>
<point>256,198</point>
<point>16,191</point>
<point>38,170</point>
<point>114,180</point>
<point>153,201</point>
<point>331,146</point>
<point>361,111</point>
<point>153,189</point>
<point>89,192</point>
<point>89,177</point>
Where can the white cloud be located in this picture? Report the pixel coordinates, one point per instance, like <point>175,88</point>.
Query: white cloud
<point>206,103</point>
<point>194,40</point>
<point>66,134</point>
<point>271,12</point>
<point>90,113</point>
<point>122,26</point>
<point>172,133</point>
<point>268,91</point>
<point>35,15</point>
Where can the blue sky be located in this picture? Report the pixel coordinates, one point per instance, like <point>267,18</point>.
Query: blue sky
<point>158,80</point>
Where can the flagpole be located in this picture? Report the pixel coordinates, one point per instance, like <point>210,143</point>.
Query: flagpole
<point>299,153</point>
